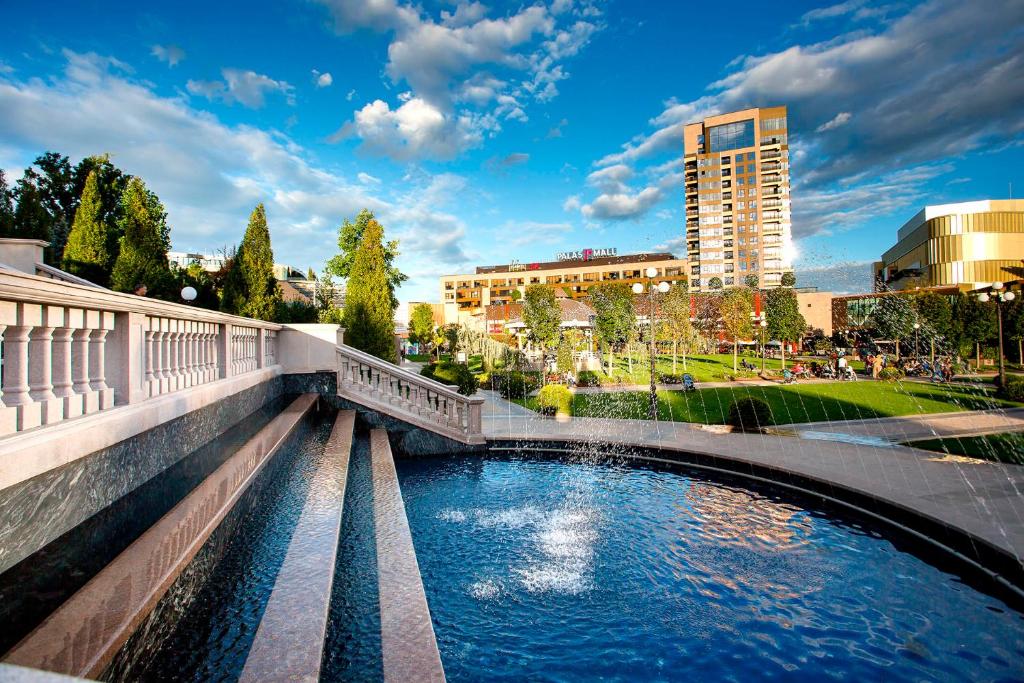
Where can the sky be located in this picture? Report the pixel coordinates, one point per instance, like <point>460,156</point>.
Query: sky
<point>480,133</point>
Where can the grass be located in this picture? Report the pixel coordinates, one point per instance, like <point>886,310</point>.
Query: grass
<point>791,403</point>
<point>704,368</point>
<point>1007,447</point>
<point>419,357</point>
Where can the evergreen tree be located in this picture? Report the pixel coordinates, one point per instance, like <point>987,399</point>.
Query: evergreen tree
<point>142,259</point>
<point>256,265</point>
<point>31,219</point>
<point>6,207</point>
<point>350,236</point>
<point>85,254</point>
<point>111,182</point>
<point>56,185</point>
<point>369,315</point>
<point>421,324</point>
<point>788,280</point>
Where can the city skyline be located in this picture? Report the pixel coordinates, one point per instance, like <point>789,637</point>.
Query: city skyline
<point>534,129</point>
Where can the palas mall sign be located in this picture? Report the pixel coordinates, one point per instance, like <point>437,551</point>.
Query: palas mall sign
<point>586,254</point>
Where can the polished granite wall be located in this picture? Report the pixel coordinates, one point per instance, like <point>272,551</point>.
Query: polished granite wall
<point>39,510</point>
<point>406,439</point>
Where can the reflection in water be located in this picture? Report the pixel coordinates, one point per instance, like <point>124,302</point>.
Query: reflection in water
<point>555,571</point>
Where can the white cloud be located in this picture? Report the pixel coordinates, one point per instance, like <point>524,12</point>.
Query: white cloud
<point>245,87</point>
<point>526,233</point>
<point>209,175</point>
<point>367,179</point>
<point>917,89</point>
<point>571,203</point>
<point>840,119</point>
<point>323,79</point>
<point>621,205</point>
<point>170,54</point>
<point>351,94</point>
<point>417,129</point>
<point>471,68</point>
<point>674,245</point>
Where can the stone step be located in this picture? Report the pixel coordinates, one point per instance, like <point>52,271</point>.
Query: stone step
<point>290,639</point>
<point>408,645</point>
<point>81,637</point>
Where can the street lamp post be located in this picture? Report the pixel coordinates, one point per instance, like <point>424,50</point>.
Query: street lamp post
<point>638,288</point>
<point>917,329</point>
<point>1001,295</point>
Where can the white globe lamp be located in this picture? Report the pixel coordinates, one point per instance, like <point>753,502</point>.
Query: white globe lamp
<point>189,293</point>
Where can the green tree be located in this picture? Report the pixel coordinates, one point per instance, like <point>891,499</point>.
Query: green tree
<point>450,338</point>
<point>254,291</point>
<point>369,314</point>
<point>327,312</point>
<point>542,314</point>
<point>894,318</point>
<point>85,254</point>
<point>977,322</point>
<point>142,259</point>
<point>735,307</point>
<point>516,295</point>
<point>1013,325</point>
<point>31,219</point>
<point>935,315</point>
<point>788,280</point>
<point>350,236</point>
<point>615,317</point>
<point>421,323</point>
<point>310,274</point>
<point>6,207</point>
<point>111,183</point>
<point>677,327</point>
<point>782,313</point>
<point>715,283</point>
<point>751,281</point>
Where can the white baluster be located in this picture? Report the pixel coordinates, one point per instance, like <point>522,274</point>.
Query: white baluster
<point>149,352</point>
<point>97,368</point>
<point>40,366</point>
<point>15,379</point>
<point>62,372</point>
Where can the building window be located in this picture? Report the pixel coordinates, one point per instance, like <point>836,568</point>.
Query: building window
<point>741,181</point>
<point>773,124</point>
<point>750,168</point>
<point>731,136</point>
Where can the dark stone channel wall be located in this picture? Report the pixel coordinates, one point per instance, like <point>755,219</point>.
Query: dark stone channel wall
<point>40,509</point>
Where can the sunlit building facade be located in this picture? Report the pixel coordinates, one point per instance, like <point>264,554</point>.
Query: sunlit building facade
<point>738,211</point>
<point>970,245</point>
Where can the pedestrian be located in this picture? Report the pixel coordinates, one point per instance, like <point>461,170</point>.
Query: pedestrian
<point>876,366</point>
<point>140,289</point>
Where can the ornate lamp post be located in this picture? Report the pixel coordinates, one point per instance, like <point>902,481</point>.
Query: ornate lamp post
<point>1001,295</point>
<point>638,288</point>
<point>917,330</point>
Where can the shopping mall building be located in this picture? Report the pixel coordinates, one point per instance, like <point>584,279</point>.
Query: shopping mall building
<point>468,295</point>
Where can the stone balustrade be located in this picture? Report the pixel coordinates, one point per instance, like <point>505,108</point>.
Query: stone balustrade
<point>407,396</point>
<point>71,350</point>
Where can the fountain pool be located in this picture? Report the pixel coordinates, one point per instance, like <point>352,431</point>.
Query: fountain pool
<point>540,569</point>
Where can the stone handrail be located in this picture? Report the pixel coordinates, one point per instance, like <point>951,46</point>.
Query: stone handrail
<point>72,350</point>
<point>410,397</point>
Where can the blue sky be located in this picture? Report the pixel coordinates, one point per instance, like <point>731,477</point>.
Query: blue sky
<point>480,133</point>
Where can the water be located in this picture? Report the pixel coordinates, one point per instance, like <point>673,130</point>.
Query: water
<point>543,570</point>
<point>213,637</point>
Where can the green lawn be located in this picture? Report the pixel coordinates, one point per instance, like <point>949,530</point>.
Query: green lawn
<point>419,357</point>
<point>791,403</point>
<point>1007,447</point>
<point>704,368</point>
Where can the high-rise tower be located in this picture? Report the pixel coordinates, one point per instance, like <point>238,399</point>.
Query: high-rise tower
<point>737,198</point>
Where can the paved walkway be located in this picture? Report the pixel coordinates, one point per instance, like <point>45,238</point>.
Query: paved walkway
<point>919,427</point>
<point>984,499</point>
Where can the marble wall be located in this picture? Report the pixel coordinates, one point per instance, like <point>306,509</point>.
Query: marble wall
<point>39,510</point>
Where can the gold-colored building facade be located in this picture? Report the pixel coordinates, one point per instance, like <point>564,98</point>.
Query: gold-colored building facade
<point>970,244</point>
<point>737,189</point>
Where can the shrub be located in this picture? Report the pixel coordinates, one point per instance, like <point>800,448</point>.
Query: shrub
<point>749,414</point>
<point>588,378</point>
<point>513,383</point>
<point>890,374</point>
<point>1014,390</point>
<point>669,378</point>
<point>484,378</point>
<point>555,399</point>
<point>452,373</point>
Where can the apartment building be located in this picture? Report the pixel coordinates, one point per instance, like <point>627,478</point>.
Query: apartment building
<point>738,211</point>
<point>467,295</point>
<point>968,244</point>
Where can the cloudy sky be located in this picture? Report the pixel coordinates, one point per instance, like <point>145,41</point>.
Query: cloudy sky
<point>480,133</point>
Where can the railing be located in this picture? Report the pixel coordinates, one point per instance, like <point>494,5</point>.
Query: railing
<point>71,350</point>
<point>385,387</point>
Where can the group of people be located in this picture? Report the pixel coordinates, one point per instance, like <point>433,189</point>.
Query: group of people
<point>941,370</point>
<point>836,367</point>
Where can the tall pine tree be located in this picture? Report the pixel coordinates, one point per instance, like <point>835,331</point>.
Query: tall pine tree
<point>142,259</point>
<point>86,252</point>
<point>6,207</point>
<point>31,219</point>
<point>369,316</point>
<point>250,288</point>
<point>350,236</point>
